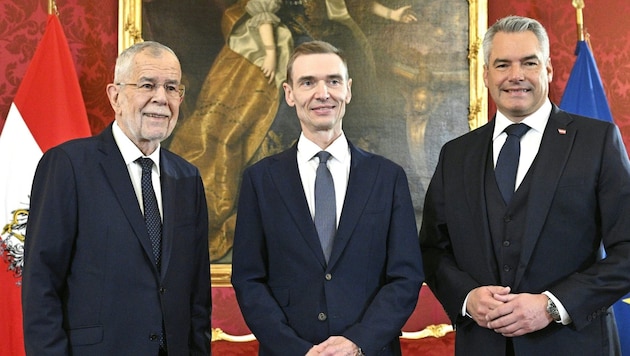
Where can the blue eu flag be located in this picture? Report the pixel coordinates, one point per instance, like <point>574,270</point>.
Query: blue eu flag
<point>584,95</point>
<point>622,314</point>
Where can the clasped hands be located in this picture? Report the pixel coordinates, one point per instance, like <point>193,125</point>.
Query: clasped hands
<point>494,307</point>
<point>334,346</point>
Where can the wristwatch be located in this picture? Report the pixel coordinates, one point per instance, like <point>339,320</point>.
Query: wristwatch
<point>553,310</point>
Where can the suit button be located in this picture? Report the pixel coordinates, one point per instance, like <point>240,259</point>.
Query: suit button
<point>506,268</point>
<point>507,218</point>
<point>153,337</point>
<point>162,290</point>
<point>506,243</point>
<point>328,276</point>
<point>322,316</point>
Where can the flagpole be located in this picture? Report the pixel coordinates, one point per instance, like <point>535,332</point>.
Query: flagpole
<point>579,5</point>
<point>52,8</point>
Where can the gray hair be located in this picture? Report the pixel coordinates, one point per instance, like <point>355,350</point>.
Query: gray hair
<point>515,24</point>
<point>125,59</point>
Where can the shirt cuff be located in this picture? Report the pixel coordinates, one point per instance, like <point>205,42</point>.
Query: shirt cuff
<point>565,319</point>
<point>464,312</point>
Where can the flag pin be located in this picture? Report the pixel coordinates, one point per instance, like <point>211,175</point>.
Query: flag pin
<point>562,131</point>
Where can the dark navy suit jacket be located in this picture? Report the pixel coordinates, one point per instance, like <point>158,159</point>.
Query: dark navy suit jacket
<point>290,298</point>
<point>579,196</point>
<point>90,286</point>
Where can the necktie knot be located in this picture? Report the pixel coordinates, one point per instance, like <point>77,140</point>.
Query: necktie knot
<point>323,156</point>
<point>517,130</point>
<point>145,163</point>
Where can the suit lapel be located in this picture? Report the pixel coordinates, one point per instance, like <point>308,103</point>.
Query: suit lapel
<point>475,166</point>
<point>286,178</point>
<point>363,173</point>
<point>116,173</point>
<point>168,198</point>
<point>551,159</point>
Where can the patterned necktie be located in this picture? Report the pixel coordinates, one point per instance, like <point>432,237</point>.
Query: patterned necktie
<point>507,163</point>
<point>151,210</point>
<point>325,205</point>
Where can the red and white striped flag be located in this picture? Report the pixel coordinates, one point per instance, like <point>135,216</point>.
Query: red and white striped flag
<point>48,109</point>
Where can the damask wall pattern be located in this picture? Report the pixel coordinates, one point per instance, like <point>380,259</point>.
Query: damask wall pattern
<point>605,21</point>
<point>91,29</point>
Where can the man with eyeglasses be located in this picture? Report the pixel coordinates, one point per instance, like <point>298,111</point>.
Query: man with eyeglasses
<point>116,251</point>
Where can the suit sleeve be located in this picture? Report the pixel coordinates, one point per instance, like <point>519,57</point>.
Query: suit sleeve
<point>51,231</point>
<point>587,293</point>
<point>249,273</point>
<point>443,275</point>
<point>201,293</point>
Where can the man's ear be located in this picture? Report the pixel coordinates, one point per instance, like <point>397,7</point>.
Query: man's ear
<point>288,94</point>
<point>349,96</point>
<point>485,75</point>
<point>112,94</point>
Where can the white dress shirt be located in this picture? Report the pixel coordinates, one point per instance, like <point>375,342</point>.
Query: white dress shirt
<point>338,164</point>
<point>131,153</point>
<point>530,142</point>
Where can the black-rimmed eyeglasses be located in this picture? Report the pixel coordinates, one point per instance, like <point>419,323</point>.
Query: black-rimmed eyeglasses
<point>174,91</point>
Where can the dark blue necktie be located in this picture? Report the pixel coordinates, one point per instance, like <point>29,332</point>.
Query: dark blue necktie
<point>507,163</point>
<point>151,210</point>
<point>153,221</point>
<point>325,205</point>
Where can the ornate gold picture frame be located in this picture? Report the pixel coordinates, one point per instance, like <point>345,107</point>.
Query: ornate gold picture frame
<point>476,108</point>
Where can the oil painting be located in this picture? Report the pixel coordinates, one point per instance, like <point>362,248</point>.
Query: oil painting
<point>417,83</point>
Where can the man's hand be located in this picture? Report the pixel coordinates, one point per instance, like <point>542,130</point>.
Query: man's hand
<point>334,346</point>
<point>482,300</point>
<point>519,314</point>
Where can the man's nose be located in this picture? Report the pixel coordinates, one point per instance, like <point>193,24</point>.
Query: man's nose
<point>516,72</point>
<point>321,90</point>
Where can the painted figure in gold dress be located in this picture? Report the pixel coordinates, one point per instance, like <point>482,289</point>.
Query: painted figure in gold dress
<point>238,117</point>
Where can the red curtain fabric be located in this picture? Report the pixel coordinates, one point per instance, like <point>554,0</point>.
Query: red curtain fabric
<point>226,348</point>
<point>429,346</point>
<point>226,315</point>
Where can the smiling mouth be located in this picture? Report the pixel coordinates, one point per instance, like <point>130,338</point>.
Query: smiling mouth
<point>156,116</point>
<point>517,90</point>
<point>322,108</point>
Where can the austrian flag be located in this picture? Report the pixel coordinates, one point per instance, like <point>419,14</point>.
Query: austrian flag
<point>47,110</point>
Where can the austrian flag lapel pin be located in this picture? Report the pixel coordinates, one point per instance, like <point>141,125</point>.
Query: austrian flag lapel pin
<point>562,131</point>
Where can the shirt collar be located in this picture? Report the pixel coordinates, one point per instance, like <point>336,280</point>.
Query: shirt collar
<point>536,121</point>
<point>130,151</point>
<point>339,148</point>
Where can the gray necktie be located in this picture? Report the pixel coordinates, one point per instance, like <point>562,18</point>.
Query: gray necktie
<point>325,205</point>
<point>507,163</point>
<point>151,210</point>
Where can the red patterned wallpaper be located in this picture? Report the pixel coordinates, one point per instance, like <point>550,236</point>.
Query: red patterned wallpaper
<point>610,40</point>
<point>91,29</point>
